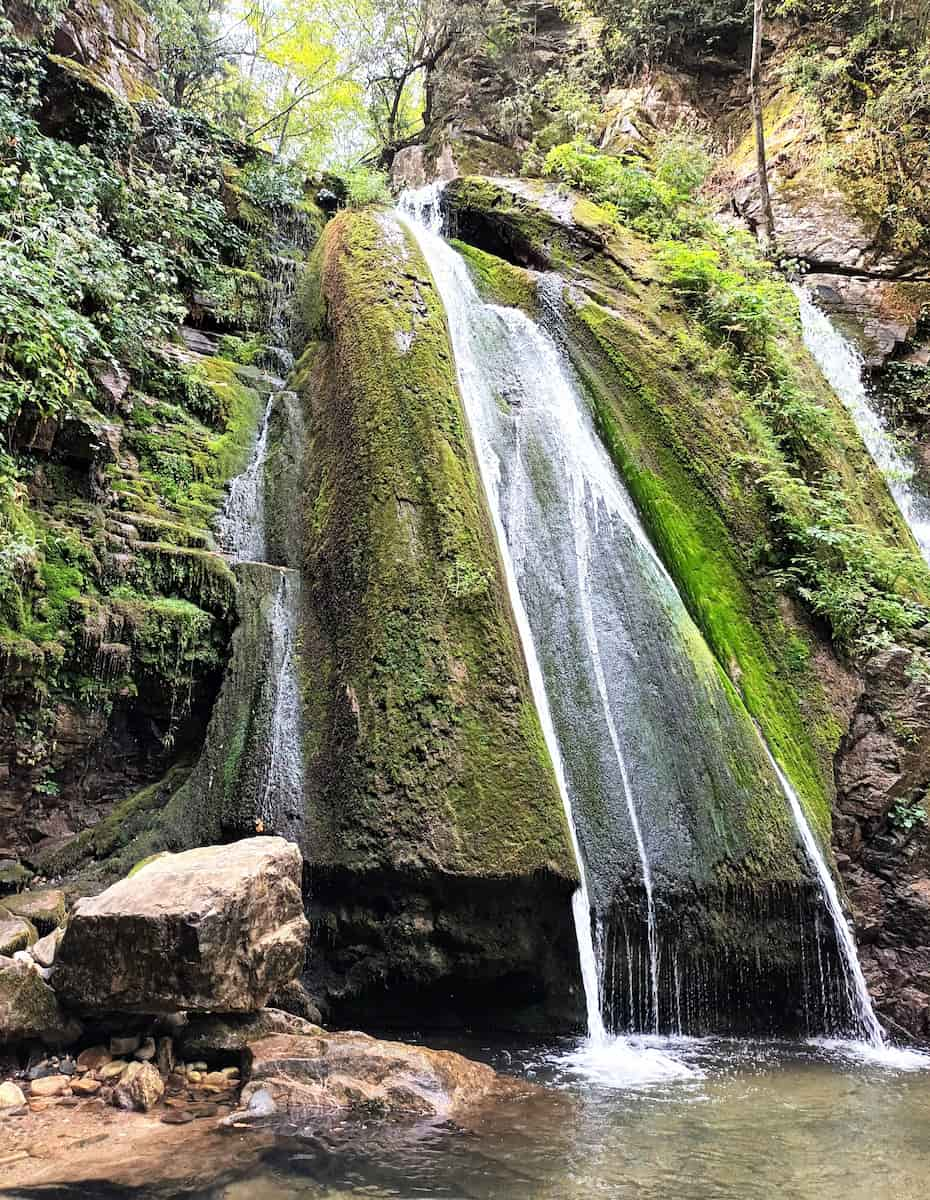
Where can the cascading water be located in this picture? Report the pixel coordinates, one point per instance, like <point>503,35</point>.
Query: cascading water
<point>241,525</point>
<point>842,366</point>
<point>587,588</point>
<point>857,992</point>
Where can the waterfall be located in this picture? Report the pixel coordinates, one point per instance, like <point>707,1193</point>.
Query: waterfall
<point>241,524</point>
<point>842,367</point>
<point>629,698</point>
<point>857,992</point>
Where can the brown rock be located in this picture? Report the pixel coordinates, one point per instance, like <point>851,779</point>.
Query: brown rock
<point>351,1071</point>
<point>50,1085</point>
<point>213,929</point>
<point>94,1057</point>
<point>177,1116</point>
<point>140,1087</point>
<point>86,1087</point>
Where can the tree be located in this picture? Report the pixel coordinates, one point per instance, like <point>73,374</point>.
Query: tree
<point>767,218</point>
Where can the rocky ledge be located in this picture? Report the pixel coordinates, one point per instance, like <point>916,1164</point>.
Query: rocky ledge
<point>166,1061</point>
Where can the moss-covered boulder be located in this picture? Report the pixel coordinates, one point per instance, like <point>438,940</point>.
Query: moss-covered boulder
<point>29,1008</point>
<point>431,795</point>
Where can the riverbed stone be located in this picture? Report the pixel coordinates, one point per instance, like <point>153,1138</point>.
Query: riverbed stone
<point>216,929</point>
<point>29,1007</point>
<point>140,1087</point>
<point>353,1072</point>
<point>225,1035</point>
<point>50,1085</point>
<point>45,948</point>
<point>11,1095</point>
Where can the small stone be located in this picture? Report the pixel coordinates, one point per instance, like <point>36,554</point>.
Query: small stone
<point>41,1070</point>
<point>231,1073</point>
<point>94,1057</point>
<point>41,1103</point>
<point>146,1051</point>
<point>261,1104</point>
<point>68,1102</point>
<point>16,933</point>
<point>67,1066</point>
<point>166,1055</point>
<point>194,1076</point>
<point>140,1088</point>
<point>216,1079</point>
<point>177,1116</point>
<point>11,1096</point>
<point>197,1066</point>
<point>86,1087</point>
<point>128,1044</point>
<point>112,1070</point>
<point>50,1085</point>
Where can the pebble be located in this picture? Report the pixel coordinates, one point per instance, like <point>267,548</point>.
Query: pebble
<point>41,1070</point>
<point>68,1102</point>
<point>86,1087</point>
<point>194,1076</point>
<point>67,1066</point>
<point>49,1085</point>
<point>11,1096</point>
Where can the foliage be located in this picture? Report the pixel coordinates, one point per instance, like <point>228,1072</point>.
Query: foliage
<point>636,33</point>
<point>654,198</point>
<point>871,104</point>
<point>908,815</point>
<point>366,186</point>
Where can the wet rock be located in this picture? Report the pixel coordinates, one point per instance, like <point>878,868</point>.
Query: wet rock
<point>16,933</point>
<point>354,1072</point>
<point>226,1035</point>
<point>166,1055</point>
<point>261,1104</point>
<point>216,929</point>
<point>45,909</point>
<point>11,1096</point>
<point>294,998</point>
<point>29,1007</point>
<point>140,1087</point>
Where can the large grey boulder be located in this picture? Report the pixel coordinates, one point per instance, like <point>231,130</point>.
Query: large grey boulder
<point>216,929</point>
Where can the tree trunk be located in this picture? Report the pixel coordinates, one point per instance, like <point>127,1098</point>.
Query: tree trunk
<point>767,220</point>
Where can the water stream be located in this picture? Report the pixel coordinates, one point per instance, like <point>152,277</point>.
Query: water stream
<point>588,590</point>
<point>842,366</point>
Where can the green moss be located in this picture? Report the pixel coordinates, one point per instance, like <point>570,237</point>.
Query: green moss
<point>499,282</point>
<point>634,397</point>
<point>127,821</point>
<point>424,754</point>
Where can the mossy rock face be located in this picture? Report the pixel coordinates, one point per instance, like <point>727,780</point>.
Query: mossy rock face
<point>16,933</point>
<point>430,792</point>
<point>426,751</point>
<point>694,456</point>
<point>44,908</point>
<point>29,1009</point>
